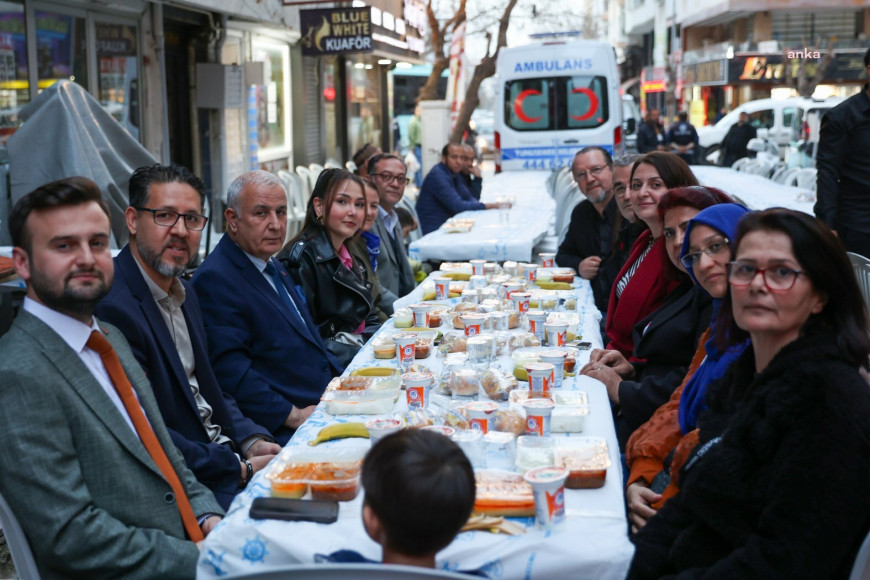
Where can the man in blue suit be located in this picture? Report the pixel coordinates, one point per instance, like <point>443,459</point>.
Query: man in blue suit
<point>159,315</point>
<point>445,191</point>
<point>265,349</point>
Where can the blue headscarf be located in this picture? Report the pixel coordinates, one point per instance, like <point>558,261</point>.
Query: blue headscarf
<point>722,218</point>
<point>373,245</point>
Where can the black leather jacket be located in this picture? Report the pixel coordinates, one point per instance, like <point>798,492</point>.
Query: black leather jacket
<point>339,299</point>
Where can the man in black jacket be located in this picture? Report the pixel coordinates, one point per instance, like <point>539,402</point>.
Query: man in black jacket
<point>843,173</point>
<point>734,143</point>
<point>651,134</point>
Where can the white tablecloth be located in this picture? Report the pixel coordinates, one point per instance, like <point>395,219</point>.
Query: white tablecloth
<point>497,235</point>
<point>755,191</point>
<point>592,543</point>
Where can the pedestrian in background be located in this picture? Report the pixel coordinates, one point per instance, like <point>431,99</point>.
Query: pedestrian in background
<point>843,177</point>
<point>683,138</point>
<point>735,141</point>
<point>651,134</point>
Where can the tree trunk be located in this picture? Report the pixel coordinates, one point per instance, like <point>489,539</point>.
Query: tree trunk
<point>438,34</point>
<point>484,70</point>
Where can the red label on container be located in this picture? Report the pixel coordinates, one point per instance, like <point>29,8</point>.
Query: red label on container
<point>472,329</point>
<point>408,352</point>
<point>556,505</point>
<point>481,425</point>
<point>523,305</point>
<point>416,396</point>
<point>441,291</point>
<point>547,263</point>
<point>535,425</point>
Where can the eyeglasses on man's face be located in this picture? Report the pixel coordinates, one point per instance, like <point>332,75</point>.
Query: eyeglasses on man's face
<point>777,278</point>
<point>594,172</point>
<point>387,177</point>
<point>714,249</point>
<point>167,218</point>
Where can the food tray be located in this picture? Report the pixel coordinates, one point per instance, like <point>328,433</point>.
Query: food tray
<point>330,474</point>
<point>585,458</point>
<point>503,493</point>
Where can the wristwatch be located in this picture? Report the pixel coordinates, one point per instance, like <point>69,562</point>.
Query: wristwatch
<point>249,474</point>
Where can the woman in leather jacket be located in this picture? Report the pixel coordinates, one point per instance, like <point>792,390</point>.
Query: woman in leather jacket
<point>337,290</point>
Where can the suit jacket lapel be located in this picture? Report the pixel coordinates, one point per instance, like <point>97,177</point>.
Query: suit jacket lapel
<point>386,239</point>
<point>70,367</point>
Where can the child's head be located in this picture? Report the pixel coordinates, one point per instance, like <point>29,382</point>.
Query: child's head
<point>406,220</point>
<point>419,492</point>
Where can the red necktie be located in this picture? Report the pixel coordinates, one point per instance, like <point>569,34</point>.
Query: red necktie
<point>122,385</point>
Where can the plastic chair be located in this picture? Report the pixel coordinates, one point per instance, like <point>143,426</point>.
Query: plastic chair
<point>350,166</point>
<point>19,547</point>
<point>305,174</point>
<point>295,213</point>
<point>806,178</point>
<point>316,170</point>
<point>345,571</point>
<point>861,267</point>
<point>738,165</point>
<point>861,568</point>
<point>332,164</point>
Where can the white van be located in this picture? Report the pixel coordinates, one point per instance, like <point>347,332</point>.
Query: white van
<point>554,98</point>
<point>776,115</point>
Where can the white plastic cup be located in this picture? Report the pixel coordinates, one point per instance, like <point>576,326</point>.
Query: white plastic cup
<point>521,301</point>
<point>531,273</point>
<point>471,295</point>
<point>538,412</point>
<point>500,450</point>
<point>442,288</point>
<point>380,428</point>
<point>508,288</point>
<point>471,443</point>
<point>443,429</point>
<point>548,487</point>
<point>548,260</point>
<point>480,414</point>
<point>473,323</point>
<point>478,267</point>
<point>500,321</point>
<point>510,268</point>
<point>477,281</point>
<point>417,387</point>
<point>536,319</point>
<point>421,314</point>
<point>478,348</point>
<point>540,379</point>
<point>405,349</point>
<point>557,333</point>
<point>557,359</point>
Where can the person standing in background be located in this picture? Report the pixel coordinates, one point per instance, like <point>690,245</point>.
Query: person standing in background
<point>683,138</point>
<point>735,141</point>
<point>415,142</point>
<point>651,134</point>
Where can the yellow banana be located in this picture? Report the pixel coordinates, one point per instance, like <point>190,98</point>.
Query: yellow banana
<point>340,431</point>
<point>374,372</point>
<point>554,285</point>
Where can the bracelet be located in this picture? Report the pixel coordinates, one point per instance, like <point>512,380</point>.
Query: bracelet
<point>249,474</point>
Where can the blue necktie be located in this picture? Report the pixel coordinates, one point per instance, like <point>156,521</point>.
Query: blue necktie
<point>273,273</point>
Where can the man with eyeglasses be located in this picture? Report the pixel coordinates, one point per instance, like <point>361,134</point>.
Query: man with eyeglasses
<point>445,192</point>
<point>394,272</point>
<point>592,246</point>
<point>159,315</point>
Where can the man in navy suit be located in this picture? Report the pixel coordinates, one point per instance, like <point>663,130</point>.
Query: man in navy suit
<point>159,315</point>
<point>264,346</point>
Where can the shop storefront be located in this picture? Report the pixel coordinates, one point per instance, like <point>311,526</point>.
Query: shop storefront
<point>653,84</point>
<point>704,89</point>
<point>350,66</point>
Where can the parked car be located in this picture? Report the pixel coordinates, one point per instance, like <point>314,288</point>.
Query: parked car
<point>776,115</point>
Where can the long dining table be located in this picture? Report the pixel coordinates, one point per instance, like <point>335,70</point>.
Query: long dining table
<point>592,542</point>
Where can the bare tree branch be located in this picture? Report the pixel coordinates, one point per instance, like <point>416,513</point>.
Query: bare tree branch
<point>440,48</point>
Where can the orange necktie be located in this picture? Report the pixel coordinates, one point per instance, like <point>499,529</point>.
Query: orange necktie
<point>122,385</point>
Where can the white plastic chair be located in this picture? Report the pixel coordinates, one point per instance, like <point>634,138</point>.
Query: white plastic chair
<point>19,547</point>
<point>332,164</point>
<point>861,267</point>
<point>345,571</point>
<point>350,166</point>
<point>738,165</point>
<point>861,567</point>
<point>316,170</point>
<point>305,174</point>
<point>806,178</point>
<point>295,211</point>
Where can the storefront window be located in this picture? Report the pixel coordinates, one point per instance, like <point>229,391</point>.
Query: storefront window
<point>119,74</point>
<point>60,48</point>
<point>273,116</point>
<point>14,85</point>
<point>364,109</point>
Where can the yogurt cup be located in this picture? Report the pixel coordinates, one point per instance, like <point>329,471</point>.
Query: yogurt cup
<point>536,319</point>
<point>538,413</point>
<point>531,271</point>
<point>477,281</point>
<point>547,260</point>
<point>500,450</point>
<point>557,359</point>
<point>548,487</point>
<point>540,378</point>
<point>508,288</point>
<point>510,268</point>
<point>471,295</point>
<point>473,323</point>
<point>417,386</point>
<point>405,348</point>
<point>442,288</point>
<point>421,314</point>
<point>380,428</point>
<point>471,443</point>
<point>557,333</point>
<point>478,267</point>
<point>443,429</point>
<point>521,301</point>
<point>403,318</point>
<point>500,321</point>
<point>480,414</point>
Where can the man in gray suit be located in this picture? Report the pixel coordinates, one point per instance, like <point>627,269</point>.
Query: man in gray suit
<point>394,271</point>
<point>99,489</point>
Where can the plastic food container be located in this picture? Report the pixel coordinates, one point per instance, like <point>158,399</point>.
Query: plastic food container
<point>533,451</point>
<point>382,377</point>
<point>384,348</point>
<point>502,493</point>
<point>500,450</point>
<point>538,413</point>
<point>380,428</point>
<point>403,318</point>
<point>464,383</point>
<point>585,458</point>
<point>371,401</point>
<point>471,443</point>
<point>331,474</point>
<point>540,376</point>
<point>569,414</point>
<point>442,429</point>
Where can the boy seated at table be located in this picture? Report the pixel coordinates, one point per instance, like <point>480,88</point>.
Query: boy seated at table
<point>419,492</point>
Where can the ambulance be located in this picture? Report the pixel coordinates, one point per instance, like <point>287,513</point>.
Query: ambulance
<point>553,99</point>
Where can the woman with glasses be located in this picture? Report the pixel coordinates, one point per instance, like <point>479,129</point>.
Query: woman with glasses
<point>337,291</point>
<point>777,484</point>
<point>657,448</point>
<point>641,285</point>
<point>666,339</point>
